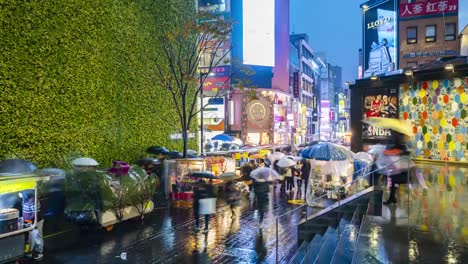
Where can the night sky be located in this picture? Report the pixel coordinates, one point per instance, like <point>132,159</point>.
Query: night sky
<point>334,27</point>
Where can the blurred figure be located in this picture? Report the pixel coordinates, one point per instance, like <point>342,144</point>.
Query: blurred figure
<point>204,195</point>
<point>297,172</point>
<point>233,197</point>
<point>289,179</point>
<point>305,173</point>
<point>261,190</point>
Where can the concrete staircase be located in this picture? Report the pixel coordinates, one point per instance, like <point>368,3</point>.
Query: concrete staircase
<point>332,234</point>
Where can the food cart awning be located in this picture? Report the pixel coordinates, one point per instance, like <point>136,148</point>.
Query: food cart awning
<point>18,183</point>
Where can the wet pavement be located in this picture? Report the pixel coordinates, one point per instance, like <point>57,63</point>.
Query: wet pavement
<point>425,226</point>
<point>438,230</point>
<point>167,237</point>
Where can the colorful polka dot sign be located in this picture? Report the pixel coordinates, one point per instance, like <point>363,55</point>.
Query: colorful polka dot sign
<point>438,111</point>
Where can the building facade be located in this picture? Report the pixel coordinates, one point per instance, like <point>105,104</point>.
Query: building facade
<point>427,30</point>
<point>306,83</point>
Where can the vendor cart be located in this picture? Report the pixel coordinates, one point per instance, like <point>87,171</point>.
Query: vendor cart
<point>14,234</point>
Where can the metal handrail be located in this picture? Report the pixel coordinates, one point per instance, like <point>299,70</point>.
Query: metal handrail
<point>407,158</point>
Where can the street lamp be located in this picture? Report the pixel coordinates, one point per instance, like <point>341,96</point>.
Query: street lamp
<point>202,148</point>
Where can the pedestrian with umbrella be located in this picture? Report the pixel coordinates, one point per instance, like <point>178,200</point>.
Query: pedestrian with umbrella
<point>204,199</point>
<point>262,177</point>
<point>287,165</point>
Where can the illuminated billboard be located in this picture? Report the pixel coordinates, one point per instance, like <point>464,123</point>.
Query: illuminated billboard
<point>380,45</point>
<point>258,27</point>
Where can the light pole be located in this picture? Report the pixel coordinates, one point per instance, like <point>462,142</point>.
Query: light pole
<point>202,148</point>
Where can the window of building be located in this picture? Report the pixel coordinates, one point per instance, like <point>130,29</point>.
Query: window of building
<point>450,31</point>
<point>411,35</point>
<point>431,33</point>
<point>412,64</point>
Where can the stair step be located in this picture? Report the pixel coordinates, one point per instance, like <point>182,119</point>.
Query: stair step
<point>328,248</point>
<point>389,240</point>
<point>300,253</point>
<point>345,248</point>
<point>313,249</point>
<point>342,225</point>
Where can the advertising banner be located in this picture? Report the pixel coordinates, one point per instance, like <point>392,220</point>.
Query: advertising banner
<point>379,105</point>
<point>218,78</point>
<point>296,85</point>
<point>380,38</point>
<point>429,8</point>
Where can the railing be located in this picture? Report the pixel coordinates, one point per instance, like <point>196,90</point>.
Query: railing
<point>338,191</point>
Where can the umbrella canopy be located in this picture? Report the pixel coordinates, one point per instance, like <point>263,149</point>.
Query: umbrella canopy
<point>202,174</point>
<point>265,174</point>
<point>228,176</point>
<point>223,137</point>
<point>58,173</point>
<point>84,162</point>
<point>285,162</point>
<point>16,167</point>
<point>295,158</point>
<point>174,155</point>
<point>276,156</point>
<point>327,151</point>
<point>364,156</point>
<point>156,150</point>
<point>147,161</point>
<point>397,125</point>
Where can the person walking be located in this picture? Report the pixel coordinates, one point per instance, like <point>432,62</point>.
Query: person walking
<point>305,173</point>
<point>233,197</point>
<point>261,190</point>
<point>204,203</point>
<point>289,179</point>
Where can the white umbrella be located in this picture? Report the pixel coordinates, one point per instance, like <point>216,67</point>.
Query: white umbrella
<point>364,156</point>
<point>295,158</point>
<point>285,162</point>
<point>276,156</point>
<point>264,174</point>
<point>84,162</point>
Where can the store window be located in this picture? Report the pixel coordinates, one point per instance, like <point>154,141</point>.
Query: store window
<point>431,33</point>
<point>450,31</point>
<point>411,35</point>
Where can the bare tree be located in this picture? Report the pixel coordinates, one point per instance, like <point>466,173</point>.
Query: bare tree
<point>190,49</point>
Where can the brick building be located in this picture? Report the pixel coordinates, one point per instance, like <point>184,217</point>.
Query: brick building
<point>428,30</point>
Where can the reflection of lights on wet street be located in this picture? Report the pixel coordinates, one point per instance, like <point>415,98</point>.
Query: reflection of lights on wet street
<point>413,250</point>
<point>374,237</point>
<point>452,254</point>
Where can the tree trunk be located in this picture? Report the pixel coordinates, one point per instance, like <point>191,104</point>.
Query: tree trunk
<point>185,139</point>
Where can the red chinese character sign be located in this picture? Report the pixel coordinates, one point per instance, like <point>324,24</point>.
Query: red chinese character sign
<point>429,8</point>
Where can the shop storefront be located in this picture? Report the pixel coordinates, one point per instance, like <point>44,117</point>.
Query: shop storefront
<point>432,101</point>
<point>265,118</point>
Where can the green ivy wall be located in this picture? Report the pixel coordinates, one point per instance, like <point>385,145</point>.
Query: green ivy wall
<point>76,78</point>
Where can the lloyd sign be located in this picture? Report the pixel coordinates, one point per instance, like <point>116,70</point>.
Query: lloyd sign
<point>379,22</point>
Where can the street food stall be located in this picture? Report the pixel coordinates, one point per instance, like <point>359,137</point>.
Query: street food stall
<point>14,232</point>
<point>180,183</point>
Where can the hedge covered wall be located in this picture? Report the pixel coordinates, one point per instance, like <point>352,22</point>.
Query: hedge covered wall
<point>76,78</point>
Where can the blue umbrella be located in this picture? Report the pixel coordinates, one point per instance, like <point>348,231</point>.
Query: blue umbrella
<point>327,151</point>
<point>223,137</point>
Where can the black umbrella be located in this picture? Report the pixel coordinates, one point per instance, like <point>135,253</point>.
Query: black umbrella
<point>202,174</point>
<point>174,155</point>
<point>156,150</point>
<point>147,161</point>
<point>16,167</point>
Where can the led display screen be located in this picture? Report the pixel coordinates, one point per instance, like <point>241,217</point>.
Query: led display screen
<point>380,40</point>
<point>258,25</point>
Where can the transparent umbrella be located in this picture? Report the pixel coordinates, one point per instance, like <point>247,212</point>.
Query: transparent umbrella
<point>264,173</point>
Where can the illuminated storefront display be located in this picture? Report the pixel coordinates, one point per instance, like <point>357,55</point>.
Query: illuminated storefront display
<point>380,38</point>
